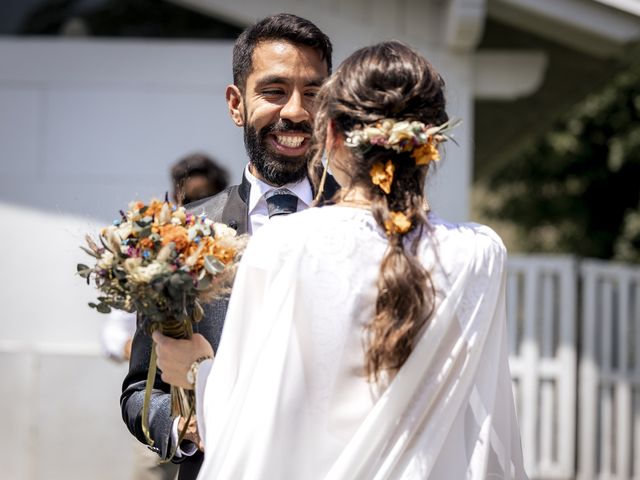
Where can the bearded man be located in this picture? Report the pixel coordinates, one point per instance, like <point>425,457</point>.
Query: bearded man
<point>279,65</point>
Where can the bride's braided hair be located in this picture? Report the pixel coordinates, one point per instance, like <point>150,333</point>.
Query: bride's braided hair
<point>387,80</point>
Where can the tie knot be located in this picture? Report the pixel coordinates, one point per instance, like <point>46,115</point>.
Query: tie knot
<point>281,201</point>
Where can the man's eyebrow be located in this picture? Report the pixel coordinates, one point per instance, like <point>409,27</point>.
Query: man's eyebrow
<point>271,79</point>
<point>315,82</point>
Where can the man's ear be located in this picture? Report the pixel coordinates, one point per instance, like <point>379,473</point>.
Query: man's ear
<point>235,104</point>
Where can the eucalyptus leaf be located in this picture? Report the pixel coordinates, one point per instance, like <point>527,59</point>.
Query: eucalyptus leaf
<point>204,283</point>
<point>145,232</point>
<point>103,308</point>
<point>213,265</point>
<point>83,270</point>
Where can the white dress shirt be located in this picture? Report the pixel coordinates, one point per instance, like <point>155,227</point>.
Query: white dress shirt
<point>258,212</point>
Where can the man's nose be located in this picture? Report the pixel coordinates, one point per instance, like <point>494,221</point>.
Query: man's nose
<point>294,109</point>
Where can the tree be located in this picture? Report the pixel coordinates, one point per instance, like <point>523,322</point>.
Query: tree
<point>576,189</point>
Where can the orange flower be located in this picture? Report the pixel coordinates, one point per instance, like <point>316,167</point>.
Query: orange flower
<point>201,250</point>
<point>426,153</point>
<point>224,254</point>
<point>154,208</point>
<point>176,234</point>
<point>397,223</point>
<point>146,244</point>
<point>382,175</point>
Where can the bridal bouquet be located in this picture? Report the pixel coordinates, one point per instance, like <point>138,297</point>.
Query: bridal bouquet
<point>163,262</point>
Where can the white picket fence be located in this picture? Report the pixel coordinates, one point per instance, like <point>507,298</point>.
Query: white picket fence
<point>578,397</point>
<point>609,414</point>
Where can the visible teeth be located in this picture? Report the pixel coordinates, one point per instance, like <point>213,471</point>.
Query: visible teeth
<point>289,141</point>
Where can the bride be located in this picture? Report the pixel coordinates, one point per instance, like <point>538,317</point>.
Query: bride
<point>365,339</point>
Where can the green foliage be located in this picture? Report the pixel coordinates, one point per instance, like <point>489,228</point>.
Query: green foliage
<point>577,188</point>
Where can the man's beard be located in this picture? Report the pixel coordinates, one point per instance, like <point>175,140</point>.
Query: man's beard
<point>274,168</point>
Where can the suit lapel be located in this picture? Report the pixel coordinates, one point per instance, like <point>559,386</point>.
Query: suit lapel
<point>236,210</point>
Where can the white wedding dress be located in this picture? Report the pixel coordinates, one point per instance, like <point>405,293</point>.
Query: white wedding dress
<point>285,397</point>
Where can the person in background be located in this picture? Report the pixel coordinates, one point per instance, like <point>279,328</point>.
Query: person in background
<point>196,176</point>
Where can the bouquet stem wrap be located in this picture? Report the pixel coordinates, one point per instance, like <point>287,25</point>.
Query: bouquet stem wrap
<point>182,399</point>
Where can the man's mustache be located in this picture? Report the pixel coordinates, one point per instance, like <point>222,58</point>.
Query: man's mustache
<point>285,126</point>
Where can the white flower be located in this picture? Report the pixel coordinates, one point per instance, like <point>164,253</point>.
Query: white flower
<point>192,232</point>
<point>147,273</point>
<point>165,252</point>
<point>113,238</point>
<point>125,230</point>
<point>106,260</point>
<point>179,217</point>
<point>193,258</point>
<point>164,216</point>
<point>132,264</point>
<point>223,231</point>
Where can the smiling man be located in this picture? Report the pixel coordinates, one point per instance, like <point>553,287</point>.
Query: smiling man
<point>278,66</point>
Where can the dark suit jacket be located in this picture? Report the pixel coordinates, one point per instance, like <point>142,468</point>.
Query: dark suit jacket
<point>230,207</point>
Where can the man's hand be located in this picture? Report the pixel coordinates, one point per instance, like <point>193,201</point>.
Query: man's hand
<point>192,432</point>
<point>176,356</point>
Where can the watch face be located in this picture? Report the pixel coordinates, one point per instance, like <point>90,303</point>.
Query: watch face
<point>191,374</point>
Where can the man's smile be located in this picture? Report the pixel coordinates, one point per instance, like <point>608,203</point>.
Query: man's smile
<point>290,143</point>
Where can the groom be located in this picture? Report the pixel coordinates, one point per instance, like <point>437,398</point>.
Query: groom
<point>279,65</point>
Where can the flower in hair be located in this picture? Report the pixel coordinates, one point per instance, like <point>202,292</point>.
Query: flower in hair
<point>397,222</point>
<point>401,136</point>
<point>382,175</point>
<point>425,154</point>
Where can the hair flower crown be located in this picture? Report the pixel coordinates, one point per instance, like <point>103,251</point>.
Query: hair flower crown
<point>400,136</point>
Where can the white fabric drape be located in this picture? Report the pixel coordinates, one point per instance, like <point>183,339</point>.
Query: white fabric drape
<point>286,398</point>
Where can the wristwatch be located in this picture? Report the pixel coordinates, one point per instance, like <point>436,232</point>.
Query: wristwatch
<point>192,373</point>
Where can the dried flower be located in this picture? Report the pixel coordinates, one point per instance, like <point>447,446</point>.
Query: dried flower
<point>382,175</point>
<point>426,153</point>
<point>397,222</point>
<point>400,136</point>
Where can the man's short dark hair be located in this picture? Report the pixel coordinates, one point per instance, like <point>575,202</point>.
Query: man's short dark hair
<point>282,26</point>
<point>199,164</point>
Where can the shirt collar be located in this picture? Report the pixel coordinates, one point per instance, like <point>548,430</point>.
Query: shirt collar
<point>301,189</point>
